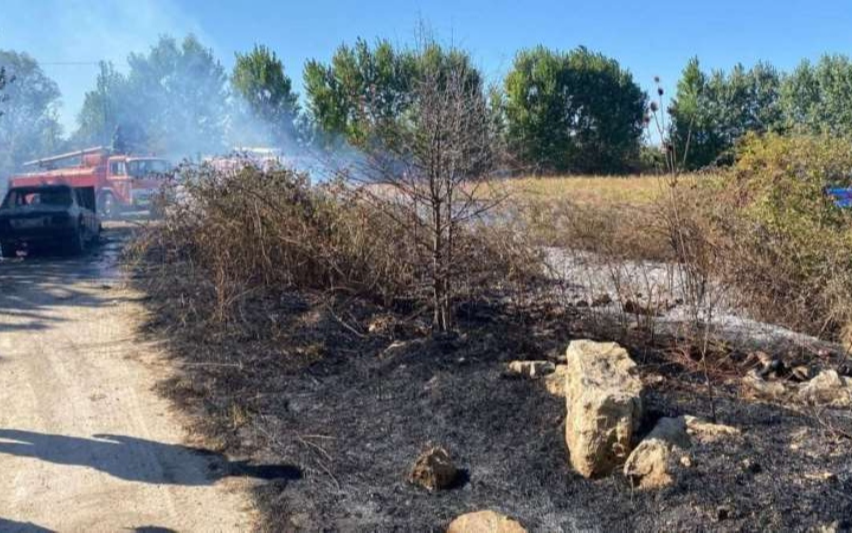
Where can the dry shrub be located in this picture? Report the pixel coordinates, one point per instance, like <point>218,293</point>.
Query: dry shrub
<point>257,231</point>
<point>783,243</point>
<point>763,237</point>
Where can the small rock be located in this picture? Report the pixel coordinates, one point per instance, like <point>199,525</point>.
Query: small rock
<point>604,406</point>
<point>757,360</point>
<point>555,382</point>
<point>396,348</point>
<point>751,466</point>
<point>822,476</point>
<point>704,431</point>
<point>381,325</point>
<point>653,379</point>
<point>834,527</point>
<point>300,521</point>
<point>531,369</point>
<point>485,522</point>
<point>686,461</point>
<point>759,388</point>
<point>652,464</point>
<point>433,470</point>
<point>827,389</point>
<point>801,373</point>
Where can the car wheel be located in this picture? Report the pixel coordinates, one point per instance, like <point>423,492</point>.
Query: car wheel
<point>77,245</point>
<point>7,250</point>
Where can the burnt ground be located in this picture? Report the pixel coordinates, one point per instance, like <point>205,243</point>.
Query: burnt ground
<point>300,381</point>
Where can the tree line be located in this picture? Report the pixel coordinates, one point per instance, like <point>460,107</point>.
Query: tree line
<point>554,111</point>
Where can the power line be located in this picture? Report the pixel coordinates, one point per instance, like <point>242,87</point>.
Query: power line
<point>69,63</point>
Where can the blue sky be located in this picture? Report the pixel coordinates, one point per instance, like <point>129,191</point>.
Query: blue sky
<point>649,38</point>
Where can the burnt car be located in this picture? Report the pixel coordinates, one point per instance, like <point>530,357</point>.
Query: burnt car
<point>47,217</point>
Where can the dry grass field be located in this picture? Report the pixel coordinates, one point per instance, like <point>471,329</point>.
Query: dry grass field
<point>593,191</point>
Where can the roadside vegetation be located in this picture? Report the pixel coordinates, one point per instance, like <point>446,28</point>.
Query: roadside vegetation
<point>302,321</point>
<point>346,321</point>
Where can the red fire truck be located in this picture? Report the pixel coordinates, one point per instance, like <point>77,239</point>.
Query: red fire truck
<point>121,181</point>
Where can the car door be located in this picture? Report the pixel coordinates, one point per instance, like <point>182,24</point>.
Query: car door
<point>84,198</point>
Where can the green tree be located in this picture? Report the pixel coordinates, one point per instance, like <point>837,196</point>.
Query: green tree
<point>174,96</point>
<point>258,79</point>
<point>538,110</point>
<point>711,112</point>
<point>818,98</point>
<point>577,111</point>
<point>363,94</point>
<point>29,127</point>
<point>104,108</point>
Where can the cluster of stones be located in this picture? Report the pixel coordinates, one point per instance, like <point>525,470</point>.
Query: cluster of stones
<point>603,398</point>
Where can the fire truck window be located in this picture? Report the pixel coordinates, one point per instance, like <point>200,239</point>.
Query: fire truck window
<point>142,168</point>
<point>117,168</point>
<point>159,166</point>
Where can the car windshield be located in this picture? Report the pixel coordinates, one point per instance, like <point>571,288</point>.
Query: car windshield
<point>60,196</point>
<point>140,168</point>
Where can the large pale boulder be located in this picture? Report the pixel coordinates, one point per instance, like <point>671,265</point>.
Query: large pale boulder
<point>485,522</point>
<point>828,389</point>
<point>603,399</point>
<point>654,462</point>
<point>555,382</point>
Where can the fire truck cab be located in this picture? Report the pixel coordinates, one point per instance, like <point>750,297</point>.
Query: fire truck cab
<point>121,181</point>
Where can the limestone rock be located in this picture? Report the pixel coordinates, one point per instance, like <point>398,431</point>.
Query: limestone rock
<point>485,522</point>
<point>653,464</point>
<point>555,382</point>
<point>434,470</point>
<point>531,369</point>
<point>828,389</point>
<point>801,373</point>
<point>603,400</point>
<point>395,349</point>
<point>833,527</point>
<point>761,389</point>
<point>703,431</point>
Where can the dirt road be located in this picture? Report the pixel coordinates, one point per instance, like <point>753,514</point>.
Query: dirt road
<point>85,443</point>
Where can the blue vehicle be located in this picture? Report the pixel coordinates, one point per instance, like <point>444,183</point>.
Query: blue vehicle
<point>842,196</point>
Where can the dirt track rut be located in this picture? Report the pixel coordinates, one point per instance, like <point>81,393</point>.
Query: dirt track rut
<point>85,443</point>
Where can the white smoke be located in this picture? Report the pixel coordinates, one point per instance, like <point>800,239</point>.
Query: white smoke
<point>69,37</point>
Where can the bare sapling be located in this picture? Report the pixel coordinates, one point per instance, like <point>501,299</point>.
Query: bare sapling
<point>693,251</point>
<point>430,172</point>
